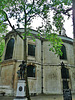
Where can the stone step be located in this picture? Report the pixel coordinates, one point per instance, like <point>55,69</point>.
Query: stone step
<point>6,89</point>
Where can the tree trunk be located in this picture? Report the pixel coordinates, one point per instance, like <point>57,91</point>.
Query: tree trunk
<point>73,7</point>
<point>25,58</point>
<point>25,55</point>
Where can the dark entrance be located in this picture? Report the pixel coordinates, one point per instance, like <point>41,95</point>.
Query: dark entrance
<point>67,94</point>
<point>65,79</point>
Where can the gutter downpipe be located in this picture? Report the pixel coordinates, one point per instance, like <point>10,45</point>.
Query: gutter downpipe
<point>42,66</point>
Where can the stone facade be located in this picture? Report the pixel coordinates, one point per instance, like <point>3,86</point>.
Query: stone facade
<point>48,78</point>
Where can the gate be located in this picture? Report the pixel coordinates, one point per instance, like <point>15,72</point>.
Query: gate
<point>67,94</point>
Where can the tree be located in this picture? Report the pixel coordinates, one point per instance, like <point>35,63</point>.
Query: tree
<point>24,11</point>
<point>2,44</point>
<point>74,27</point>
<point>2,35</point>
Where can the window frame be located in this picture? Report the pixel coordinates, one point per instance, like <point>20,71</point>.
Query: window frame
<point>32,44</point>
<point>64,55</point>
<point>7,47</point>
<point>32,73</point>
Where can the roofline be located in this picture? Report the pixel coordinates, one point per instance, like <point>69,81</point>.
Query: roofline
<point>64,38</point>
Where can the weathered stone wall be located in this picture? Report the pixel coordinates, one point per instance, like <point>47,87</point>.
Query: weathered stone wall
<point>72,81</point>
<point>70,53</point>
<point>50,57</point>
<point>7,71</point>
<point>72,73</point>
<point>52,79</point>
<point>38,51</point>
<point>18,49</point>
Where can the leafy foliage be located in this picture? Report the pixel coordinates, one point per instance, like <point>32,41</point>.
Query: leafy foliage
<point>55,43</point>
<point>24,11</point>
<point>2,44</point>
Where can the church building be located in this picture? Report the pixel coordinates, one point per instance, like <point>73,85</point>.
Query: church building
<point>47,73</point>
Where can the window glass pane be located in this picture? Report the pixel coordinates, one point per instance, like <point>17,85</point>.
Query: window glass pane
<point>63,49</point>
<point>9,49</point>
<point>30,71</point>
<point>31,50</point>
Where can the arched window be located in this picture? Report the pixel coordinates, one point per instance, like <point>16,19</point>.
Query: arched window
<point>9,49</point>
<point>64,56</point>
<point>31,71</point>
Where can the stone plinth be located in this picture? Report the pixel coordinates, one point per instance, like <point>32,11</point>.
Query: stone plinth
<point>21,90</point>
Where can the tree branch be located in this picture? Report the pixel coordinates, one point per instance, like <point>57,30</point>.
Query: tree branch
<point>11,25</point>
<point>31,17</point>
<point>63,11</point>
<point>33,2</point>
<point>68,10</point>
<point>3,21</point>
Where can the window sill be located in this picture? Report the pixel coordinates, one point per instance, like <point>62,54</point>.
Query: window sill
<point>64,61</point>
<point>32,78</point>
<point>31,58</point>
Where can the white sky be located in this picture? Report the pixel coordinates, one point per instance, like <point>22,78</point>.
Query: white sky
<point>67,25</point>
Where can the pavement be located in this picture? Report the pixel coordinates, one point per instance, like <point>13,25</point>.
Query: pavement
<point>39,97</point>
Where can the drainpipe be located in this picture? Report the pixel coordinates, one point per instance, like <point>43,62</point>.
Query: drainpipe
<point>42,66</point>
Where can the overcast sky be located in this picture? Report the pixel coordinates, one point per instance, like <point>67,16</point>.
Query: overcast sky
<point>67,25</point>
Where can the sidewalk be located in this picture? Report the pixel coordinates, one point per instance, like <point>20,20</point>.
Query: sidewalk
<point>39,97</point>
